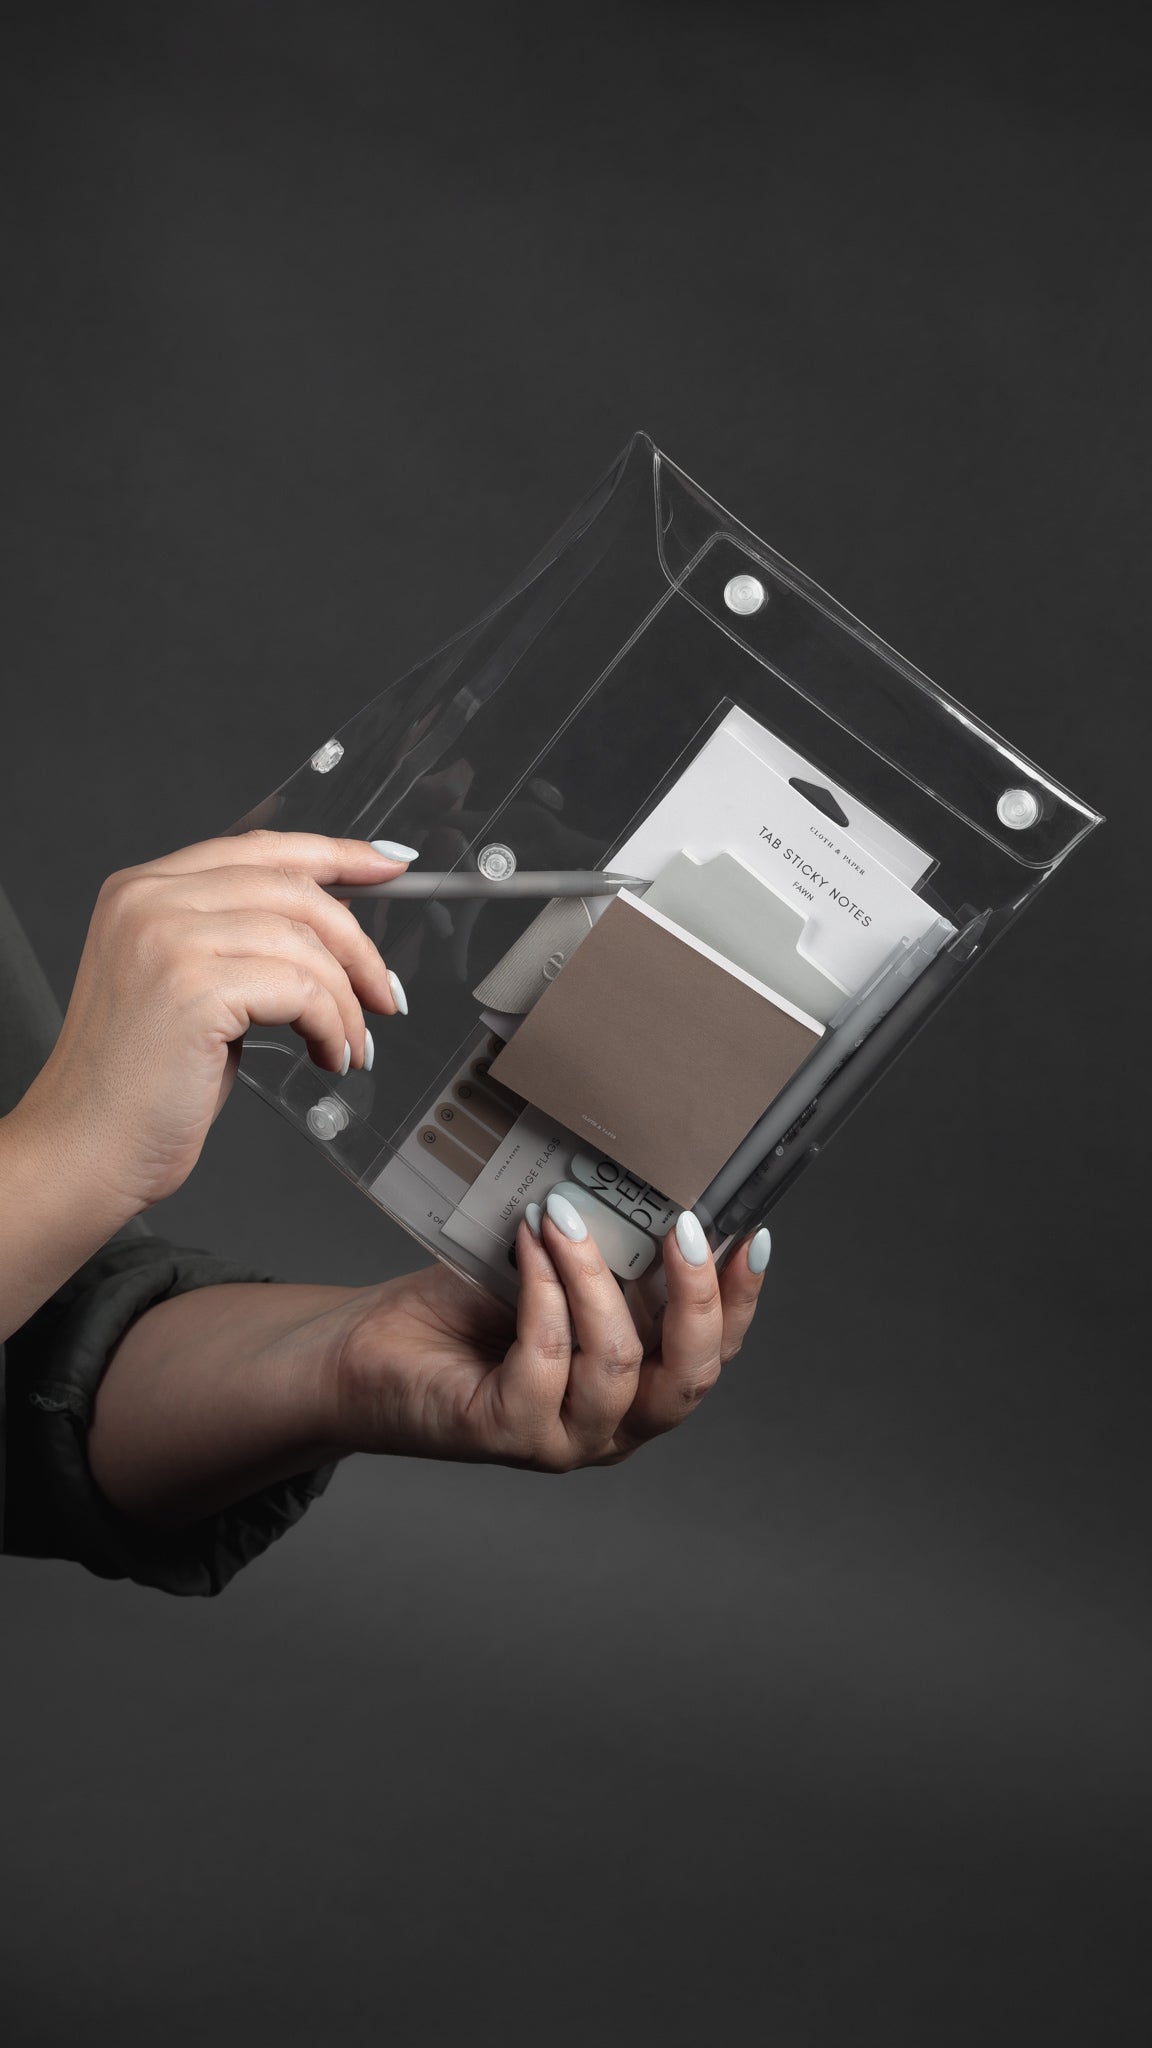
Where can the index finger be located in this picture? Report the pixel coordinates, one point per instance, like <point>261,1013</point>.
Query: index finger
<point>608,1355</point>
<point>317,854</point>
<point>526,1393</point>
<point>673,1384</point>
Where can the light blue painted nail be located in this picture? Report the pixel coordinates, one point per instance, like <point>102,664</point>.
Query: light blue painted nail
<point>347,1060</point>
<point>369,1050</point>
<point>534,1217</point>
<point>566,1218</point>
<point>759,1251</point>
<point>691,1239</point>
<point>394,849</point>
<point>398,995</point>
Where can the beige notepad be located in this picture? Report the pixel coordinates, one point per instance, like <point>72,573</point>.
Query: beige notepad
<point>651,1046</point>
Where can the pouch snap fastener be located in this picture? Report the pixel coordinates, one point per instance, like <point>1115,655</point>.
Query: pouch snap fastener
<point>496,862</point>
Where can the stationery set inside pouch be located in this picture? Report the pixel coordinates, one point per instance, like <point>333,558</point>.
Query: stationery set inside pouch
<point>819,844</point>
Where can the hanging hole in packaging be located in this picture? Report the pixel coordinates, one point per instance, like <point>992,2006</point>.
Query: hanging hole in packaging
<point>821,798</point>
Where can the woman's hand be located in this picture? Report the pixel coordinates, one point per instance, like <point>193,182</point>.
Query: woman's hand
<point>183,955</point>
<point>431,1367</point>
<point>214,1394</point>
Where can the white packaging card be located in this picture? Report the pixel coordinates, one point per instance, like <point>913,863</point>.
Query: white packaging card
<point>730,799</point>
<point>907,862</point>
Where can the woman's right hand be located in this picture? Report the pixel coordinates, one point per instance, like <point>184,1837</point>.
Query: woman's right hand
<point>183,955</point>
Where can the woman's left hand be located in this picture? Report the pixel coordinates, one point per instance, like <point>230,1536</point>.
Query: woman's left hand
<point>213,1394</point>
<point>430,1366</point>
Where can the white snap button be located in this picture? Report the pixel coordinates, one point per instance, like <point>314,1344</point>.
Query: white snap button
<point>744,594</point>
<point>496,862</point>
<point>1017,808</point>
<point>327,1117</point>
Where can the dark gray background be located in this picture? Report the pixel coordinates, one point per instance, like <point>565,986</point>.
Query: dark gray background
<point>824,1722</point>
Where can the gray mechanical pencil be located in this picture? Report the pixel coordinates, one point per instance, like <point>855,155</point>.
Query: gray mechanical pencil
<point>848,1029</point>
<point>416,887</point>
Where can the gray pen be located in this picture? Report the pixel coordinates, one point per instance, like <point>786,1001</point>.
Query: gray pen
<point>847,1030</point>
<point>468,882</point>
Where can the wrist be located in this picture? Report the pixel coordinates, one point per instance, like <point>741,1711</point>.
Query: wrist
<point>55,1209</point>
<point>302,1359</point>
<point>354,1392</point>
<point>64,1149</point>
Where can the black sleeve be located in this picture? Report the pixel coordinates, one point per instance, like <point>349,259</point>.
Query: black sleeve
<point>53,1368</point>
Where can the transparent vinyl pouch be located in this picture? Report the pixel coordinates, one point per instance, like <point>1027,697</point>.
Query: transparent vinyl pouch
<point>541,738</point>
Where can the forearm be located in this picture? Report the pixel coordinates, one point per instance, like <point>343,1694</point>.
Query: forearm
<point>215,1394</point>
<point>56,1209</point>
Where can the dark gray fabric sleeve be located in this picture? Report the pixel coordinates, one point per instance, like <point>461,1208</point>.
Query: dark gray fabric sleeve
<point>54,1366</point>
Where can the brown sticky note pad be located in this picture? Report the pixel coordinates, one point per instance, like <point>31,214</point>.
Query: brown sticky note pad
<point>652,1048</point>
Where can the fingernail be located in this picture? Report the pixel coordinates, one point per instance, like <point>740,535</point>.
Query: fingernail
<point>759,1251</point>
<point>534,1217</point>
<point>347,1061</point>
<point>398,995</point>
<point>369,1050</point>
<point>566,1218</point>
<point>393,849</point>
<point>691,1239</point>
